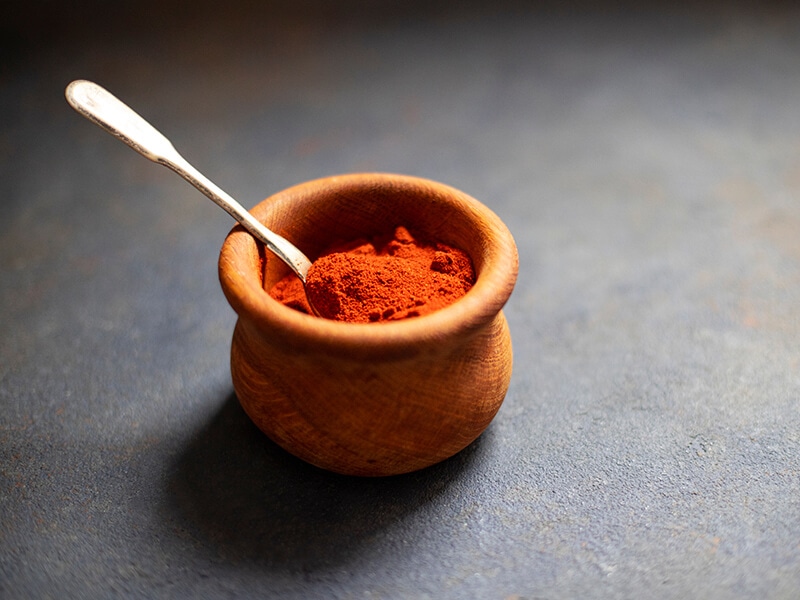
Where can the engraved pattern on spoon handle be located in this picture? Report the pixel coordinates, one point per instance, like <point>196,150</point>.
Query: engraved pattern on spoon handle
<point>117,118</point>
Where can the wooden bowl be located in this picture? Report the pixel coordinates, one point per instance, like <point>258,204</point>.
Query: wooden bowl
<point>380,398</point>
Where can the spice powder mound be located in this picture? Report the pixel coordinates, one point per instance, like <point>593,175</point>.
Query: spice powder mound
<point>385,278</point>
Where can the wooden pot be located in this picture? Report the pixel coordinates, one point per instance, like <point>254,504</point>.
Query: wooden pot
<point>380,398</point>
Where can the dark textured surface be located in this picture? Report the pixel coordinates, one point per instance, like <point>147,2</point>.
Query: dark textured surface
<point>648,163</point>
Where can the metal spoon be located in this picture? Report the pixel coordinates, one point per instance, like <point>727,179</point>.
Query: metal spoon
<point>104,109</point>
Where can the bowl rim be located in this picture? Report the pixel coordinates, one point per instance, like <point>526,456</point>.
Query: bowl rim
<point>244,290</point>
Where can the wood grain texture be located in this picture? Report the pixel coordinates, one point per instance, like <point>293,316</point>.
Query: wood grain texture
<point>371,399</point>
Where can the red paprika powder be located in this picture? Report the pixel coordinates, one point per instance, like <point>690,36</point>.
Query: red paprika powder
<point>385,278</point>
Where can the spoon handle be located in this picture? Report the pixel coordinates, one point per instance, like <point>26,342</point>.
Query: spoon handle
<point>113,115</point>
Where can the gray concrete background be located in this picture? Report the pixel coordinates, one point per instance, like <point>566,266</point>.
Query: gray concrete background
<point>647,160</point>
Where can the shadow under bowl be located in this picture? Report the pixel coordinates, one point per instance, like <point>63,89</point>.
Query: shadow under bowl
<point>382,398</point>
